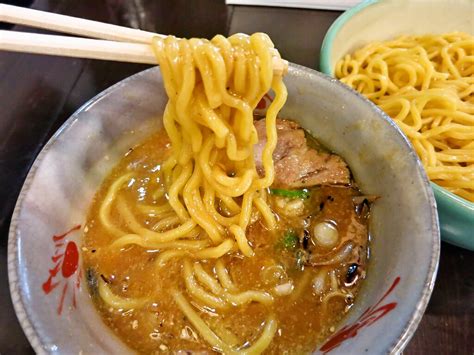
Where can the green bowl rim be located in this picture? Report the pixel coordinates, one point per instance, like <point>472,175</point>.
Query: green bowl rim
<point>326,47</point>
<point>452,196</point>
<point>459,207</point>
<point>442,195</point>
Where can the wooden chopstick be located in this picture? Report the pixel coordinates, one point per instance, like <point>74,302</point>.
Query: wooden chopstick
<point>90,48</point>
<point>76,47</point>
<point>73,25</point>
<point>116,43</point>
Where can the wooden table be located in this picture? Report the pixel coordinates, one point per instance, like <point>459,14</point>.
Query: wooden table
<point>38,93</point>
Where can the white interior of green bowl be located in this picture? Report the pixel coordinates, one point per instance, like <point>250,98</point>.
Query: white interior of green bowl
<point>382,20</point>
<point>61,183</point>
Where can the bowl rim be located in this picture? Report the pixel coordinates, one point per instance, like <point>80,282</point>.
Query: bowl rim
<point>459,207</point>
<point>23,315</point>
<point>452,196</point>
<point>326,47</point>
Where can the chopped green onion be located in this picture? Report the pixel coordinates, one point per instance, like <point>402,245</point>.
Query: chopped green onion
<point>290,239</point>
<point>304,193</point>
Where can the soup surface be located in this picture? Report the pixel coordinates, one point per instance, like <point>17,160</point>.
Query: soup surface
<point>305,274</point>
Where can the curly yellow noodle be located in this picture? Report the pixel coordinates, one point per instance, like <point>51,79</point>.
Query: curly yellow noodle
<point>115,301</point>
<point>210,201</point>
<point>195,207</point>
<point>229,203</point>
<point>248,297</point>
<point>208,335</point>
<point>154,210</point>
<point>207,280</point>
<point>271,326</point>
<point>242,241</point>
<point>246,211</point>
<point>104,210</point>
<point>226,49</point>
<point>215,341</point>
<point>165,223</point>
<point>177,244</point>
<point>168,255</point>
<point>196,253</point>
<point>224,277</point>
<point>179,232</point>
<point>235,299</point>
<point>426,84</point>
<point>216,252</point>
<point>270,125</point>
<point>266,212</point>
<point>198,292</point>
<point>224,334</point>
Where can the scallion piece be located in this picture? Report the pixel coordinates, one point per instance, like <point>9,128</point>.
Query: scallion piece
<point>303,193</point>
<point>290,240</point>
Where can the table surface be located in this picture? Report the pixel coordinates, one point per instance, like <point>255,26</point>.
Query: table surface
<point>38,93</point>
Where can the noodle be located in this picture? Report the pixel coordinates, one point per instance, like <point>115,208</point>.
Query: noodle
<point>235,299</point>
<point>104,211</point>
<point>257,348</point>
<point>224,277</point>
<point>426,84</point>
<point>203,329</point>
<point>115,301</point>
<point>178,244</point>
<point>199,293</point>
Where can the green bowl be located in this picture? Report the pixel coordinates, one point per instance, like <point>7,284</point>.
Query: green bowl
<point>376,20</point>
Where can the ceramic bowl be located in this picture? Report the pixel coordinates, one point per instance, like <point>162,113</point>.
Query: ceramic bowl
<point>378,20</point>
<point>44,262</point>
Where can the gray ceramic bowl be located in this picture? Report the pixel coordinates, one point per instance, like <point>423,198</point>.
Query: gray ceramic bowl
<point>54,308</point>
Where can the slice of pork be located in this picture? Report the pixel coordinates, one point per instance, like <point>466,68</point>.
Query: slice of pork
<point>296,164</point>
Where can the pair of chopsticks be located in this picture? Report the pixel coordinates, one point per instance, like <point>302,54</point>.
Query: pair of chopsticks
<point>106,41</point>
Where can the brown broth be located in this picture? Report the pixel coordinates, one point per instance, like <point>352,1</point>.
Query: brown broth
<point>160,326</point>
